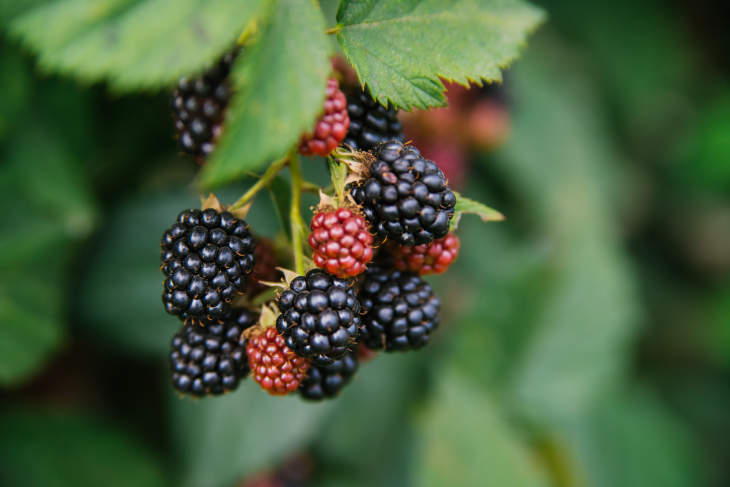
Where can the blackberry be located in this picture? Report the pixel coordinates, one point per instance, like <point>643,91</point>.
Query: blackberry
<point>431,258</point>
<point>331,127</point>
<point>341,242</point>
<point>276,368</point>
<point>320,316</point>
<point>370,122</point>
<point>265,267</point>
<point>406,198</point>
<point>199,105</point>
<point>206,256</point>
<point>211,360</point>
<point>325,382</point>
<point>400,308</point>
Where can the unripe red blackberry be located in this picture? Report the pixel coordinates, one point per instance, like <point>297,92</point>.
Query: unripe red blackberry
<point>327,381</point>
<point>331,127</point>
<point>206,257</point>
<point>341,242</point>
<point>401,310</point>
<point>406,198</point>
<point>320,316</point>
<point>274,366</point>
<point>431,258</point>
<point>211,360</point>
<point>199,106</point>
<point>265,267</point>
<point>370,122</point>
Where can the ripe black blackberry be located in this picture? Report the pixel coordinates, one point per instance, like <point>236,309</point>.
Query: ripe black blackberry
<point>400,308</point>
<point>327,381</point>
<point>370,122</point>
<point>206,256</point>
<point>199,105</point>
<point>211,360</point>
<point>320,316</point>
<point>406,198</point>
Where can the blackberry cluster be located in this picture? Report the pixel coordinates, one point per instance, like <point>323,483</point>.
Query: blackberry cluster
<point>206,256</point>
<point>370,122</point>
<point>320,316</point>
<point>211,360</point>
<point>327,381</point>
<point>406,198</point>
<point>400,308</point>
<point>199,105</point>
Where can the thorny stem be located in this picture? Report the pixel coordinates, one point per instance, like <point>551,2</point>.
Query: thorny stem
<point>263,181</point>
<point>297,224</point>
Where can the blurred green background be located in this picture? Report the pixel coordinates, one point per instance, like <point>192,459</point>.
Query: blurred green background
<point>584,342</point>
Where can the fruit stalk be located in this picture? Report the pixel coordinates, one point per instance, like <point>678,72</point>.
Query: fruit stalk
<point>263,181</point>
<point>295,215</point>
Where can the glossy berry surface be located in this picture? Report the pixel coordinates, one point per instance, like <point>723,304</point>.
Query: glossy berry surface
<point>331,127</point>
<point>206,257</point>
<point>273,365</point>
<point>199,106</point>
<point>211,360</point>
<point>406,198</point>
<point>320,316</point>
<point>370,122</point>
<point>326,382</point>
<point>341,242</point>
<point>431,258</point>
<point>400,308</point>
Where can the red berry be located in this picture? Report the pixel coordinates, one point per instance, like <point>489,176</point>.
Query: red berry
<point>341,242</point>
<point>264,268</point>
<point>331,127</point>
<point>274,365</point>
<point>431,258</point>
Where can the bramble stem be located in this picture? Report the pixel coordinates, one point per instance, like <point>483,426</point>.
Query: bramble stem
<point>297,224</point>
<point>263,181</point>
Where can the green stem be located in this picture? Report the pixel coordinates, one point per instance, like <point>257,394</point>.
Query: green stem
<point>333,30</point>
<point>263,181</point>
<point>297,224</point>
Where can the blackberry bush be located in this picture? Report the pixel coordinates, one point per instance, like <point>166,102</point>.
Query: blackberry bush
<point>206,256</point>
<point>199,106</point>
<point>401,311</point>
<point>326,381</point>
<point>370,122</point>
<point>211,360</point>
<point>405,198</point>
<point>320,316</point>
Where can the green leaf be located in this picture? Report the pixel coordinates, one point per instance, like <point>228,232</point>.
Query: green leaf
<point>133,43</point>
<point>220,441</point>
<point>466,205</point>
<point>281,83</point>
<point>31,329</point>
<point>54,449</point>
<point>632,439</point>
<point>402,49</point>
<point>463,437</point>
<point>48,209</point>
